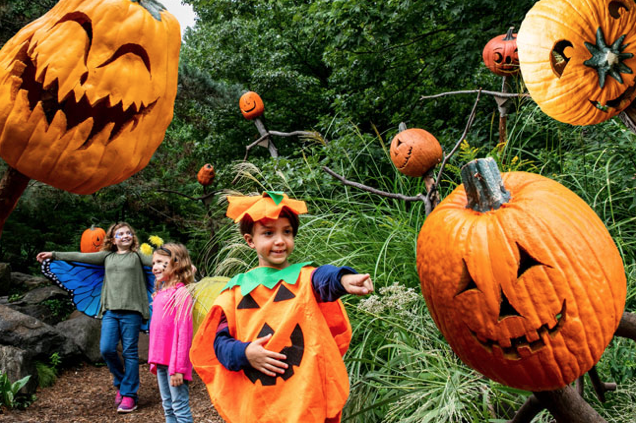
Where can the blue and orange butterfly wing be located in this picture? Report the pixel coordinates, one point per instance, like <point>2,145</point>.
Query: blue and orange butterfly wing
<point>83,281</point>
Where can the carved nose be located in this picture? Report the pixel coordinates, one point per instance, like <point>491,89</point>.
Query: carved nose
<point>506,309</point>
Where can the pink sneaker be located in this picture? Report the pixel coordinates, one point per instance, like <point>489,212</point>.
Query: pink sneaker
<point>118,398</point>
<point>127,405</point>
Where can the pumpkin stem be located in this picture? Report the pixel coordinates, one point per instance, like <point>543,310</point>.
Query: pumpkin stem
<point>608,60</point>
<point>509,35</point>
<point>485,190</point>
<point>152,6</point>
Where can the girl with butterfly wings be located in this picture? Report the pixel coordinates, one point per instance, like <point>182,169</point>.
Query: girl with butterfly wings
<point>113,285</point>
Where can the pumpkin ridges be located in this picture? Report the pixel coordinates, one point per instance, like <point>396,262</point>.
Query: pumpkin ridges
<point>561,363</point>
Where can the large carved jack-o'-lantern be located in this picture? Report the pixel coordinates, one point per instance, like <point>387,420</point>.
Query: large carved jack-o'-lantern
<point>88,91</point>
<point>577,58</point>
<point>521,277</point>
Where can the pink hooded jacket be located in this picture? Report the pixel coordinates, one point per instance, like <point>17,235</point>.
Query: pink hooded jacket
<point>170,338</point>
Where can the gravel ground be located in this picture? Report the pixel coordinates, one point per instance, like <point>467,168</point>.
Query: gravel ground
<point>85,394</point>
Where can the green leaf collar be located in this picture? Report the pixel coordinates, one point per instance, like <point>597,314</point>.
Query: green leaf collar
<point>267,276</point>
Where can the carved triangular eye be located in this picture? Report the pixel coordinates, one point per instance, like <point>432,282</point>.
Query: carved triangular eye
<point>247,302</point>
<point>265,330</point>
<point>506,309</point>
<point>466,282</point>
<point>526,261</point>
<point>283,294</point>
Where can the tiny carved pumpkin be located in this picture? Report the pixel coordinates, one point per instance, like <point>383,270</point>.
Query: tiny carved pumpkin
<point>92,240</point>
<point>500,54</point>
<point>251,105</point>
<point>206,174</point>
<point>577,58</point>
<point>415,151</point>
<point>521,277</point>
<point>88,91</point>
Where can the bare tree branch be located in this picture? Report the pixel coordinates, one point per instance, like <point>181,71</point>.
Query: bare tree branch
<point>492,93</point>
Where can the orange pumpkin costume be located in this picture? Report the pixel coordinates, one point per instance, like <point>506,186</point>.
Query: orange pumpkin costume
<point>313,336</point>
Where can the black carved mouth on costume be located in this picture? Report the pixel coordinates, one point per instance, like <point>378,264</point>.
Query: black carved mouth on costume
<point>294,355</point>
<point>512,352</point>
<point>77,112</point>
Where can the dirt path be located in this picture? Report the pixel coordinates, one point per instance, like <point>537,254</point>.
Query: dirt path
<point>85,394</point>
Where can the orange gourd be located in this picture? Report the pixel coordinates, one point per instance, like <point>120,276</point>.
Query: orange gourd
<point>88,91</point>
<point>251,105</point>
<point>206,174</point>
<point>577,58</point>
<point>415,151</point>
<point>521,277</point>
<point>92,240</point>
<point>500,54</point>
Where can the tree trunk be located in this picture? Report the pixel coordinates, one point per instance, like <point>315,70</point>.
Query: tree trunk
<point>627,326</point>
<point>567,406</point>
<point>12,186</point>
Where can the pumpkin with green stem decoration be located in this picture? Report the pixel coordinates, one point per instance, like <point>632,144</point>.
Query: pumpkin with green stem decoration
<point>521,277</point>
<point>577,58</point>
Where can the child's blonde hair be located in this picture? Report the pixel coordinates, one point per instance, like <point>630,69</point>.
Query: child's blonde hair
<point>180,262</point>
<point>109,244</point>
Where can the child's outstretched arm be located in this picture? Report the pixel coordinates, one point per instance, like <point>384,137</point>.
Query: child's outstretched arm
<point>357,284</point>
<point>266,361</point>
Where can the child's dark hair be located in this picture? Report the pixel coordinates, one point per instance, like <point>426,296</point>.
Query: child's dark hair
<point>246,225</point>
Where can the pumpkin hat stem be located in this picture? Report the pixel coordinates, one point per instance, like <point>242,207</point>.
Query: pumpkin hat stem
<point>12,186</point>
<point>485,190</point>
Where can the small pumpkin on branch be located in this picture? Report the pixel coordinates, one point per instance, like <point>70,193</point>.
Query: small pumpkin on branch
<point>500,54</point>
<point>92,239</point>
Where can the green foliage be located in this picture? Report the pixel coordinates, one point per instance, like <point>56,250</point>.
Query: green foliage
<point>9,390</point>
<point>47,372</point>
<point>60,308</point>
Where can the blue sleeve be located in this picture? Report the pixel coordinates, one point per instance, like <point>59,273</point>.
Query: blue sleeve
<point>326,282</point>
<point>230,351</point>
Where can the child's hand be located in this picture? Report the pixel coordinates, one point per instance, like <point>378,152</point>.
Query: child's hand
<point>176,379</point>
<point>263,360</point>
<point>357,284</point>
<point>43,256</point>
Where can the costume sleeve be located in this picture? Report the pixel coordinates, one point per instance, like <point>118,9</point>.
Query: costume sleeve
<point>229,351</point>
<point>88,258</point>
<point>326,282</point>
<point>180,356</point>
<point>145,260</point>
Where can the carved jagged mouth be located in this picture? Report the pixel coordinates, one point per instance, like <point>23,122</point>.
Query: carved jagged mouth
<point>75,111</point>
<point>407,158</point>
<point>522,347</point>
<point>614,103</point>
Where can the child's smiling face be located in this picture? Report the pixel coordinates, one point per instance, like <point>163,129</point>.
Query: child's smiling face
<point>123,238</point>
<point>273,240</point>
<point>161,267</point>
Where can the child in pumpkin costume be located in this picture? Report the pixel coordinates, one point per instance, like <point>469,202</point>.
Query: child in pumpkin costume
<point>270,349</point>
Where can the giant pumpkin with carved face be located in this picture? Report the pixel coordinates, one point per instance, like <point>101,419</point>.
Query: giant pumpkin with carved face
<point>312,335</point>
<point>529,292</point>
<point>577,58</point>
<point>88,91</point>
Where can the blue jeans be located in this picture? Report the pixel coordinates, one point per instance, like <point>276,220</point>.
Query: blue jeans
<point>175,399</point>
<point>122,325</point>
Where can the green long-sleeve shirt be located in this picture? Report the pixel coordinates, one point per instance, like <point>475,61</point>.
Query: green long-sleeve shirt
<point>124,285</point>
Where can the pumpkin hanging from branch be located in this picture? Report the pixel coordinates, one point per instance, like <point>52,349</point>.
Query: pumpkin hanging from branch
<point>92,239</point>
<point>500,54</point>
<point>206,174</point>
<point>577,58</point>
<point>88,91</point>
<point>251,105</point>
<point>415,151</point>
<point>521,277</point>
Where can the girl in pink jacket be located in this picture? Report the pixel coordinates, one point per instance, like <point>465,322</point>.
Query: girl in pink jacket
<point>171,331</point>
